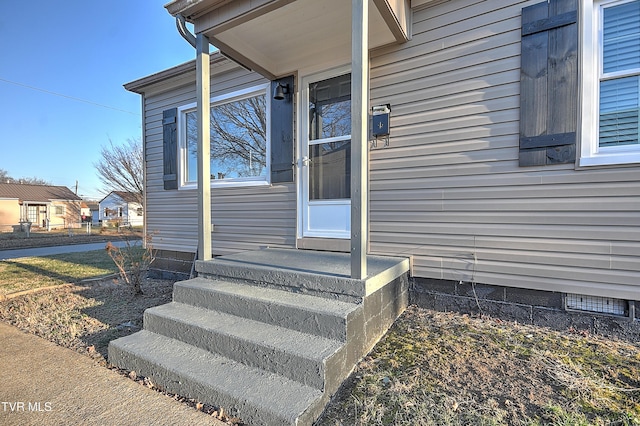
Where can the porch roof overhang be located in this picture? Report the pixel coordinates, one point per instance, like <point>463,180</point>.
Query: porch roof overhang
<point>278,37</point>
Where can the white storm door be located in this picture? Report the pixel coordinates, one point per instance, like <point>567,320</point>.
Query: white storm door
<point>326,156</point>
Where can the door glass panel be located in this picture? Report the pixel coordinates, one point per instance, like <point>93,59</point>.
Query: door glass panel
<point>330,170</point>
<point>329,138</point>
<point>330,108</point>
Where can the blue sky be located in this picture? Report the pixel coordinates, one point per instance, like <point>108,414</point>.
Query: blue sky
<point>79,49</point>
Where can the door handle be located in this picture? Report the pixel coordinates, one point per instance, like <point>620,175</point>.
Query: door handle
<point>305,161</point>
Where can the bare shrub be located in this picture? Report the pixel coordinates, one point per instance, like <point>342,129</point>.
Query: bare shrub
<point>132,261</point>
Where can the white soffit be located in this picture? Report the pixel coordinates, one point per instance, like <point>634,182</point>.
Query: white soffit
<point>301,33</point>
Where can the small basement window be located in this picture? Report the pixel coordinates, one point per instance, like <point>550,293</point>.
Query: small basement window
<point>597,304</point>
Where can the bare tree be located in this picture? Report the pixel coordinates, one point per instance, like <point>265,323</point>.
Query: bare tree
<point>33,181</point>
<point>121,168</point>
<point>5,178</point>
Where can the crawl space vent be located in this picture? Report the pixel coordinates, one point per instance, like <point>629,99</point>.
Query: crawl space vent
<point>601,305</point>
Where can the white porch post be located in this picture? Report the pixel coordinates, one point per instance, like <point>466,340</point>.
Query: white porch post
<point>204,149</point>
<point>359,136</point>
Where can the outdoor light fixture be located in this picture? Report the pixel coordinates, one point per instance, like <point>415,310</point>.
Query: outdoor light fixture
<point>280,91</point>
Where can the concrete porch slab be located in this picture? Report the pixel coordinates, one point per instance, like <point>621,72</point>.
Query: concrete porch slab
<point>317,271</point>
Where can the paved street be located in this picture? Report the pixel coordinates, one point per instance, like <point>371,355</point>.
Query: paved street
<point>46,251</point>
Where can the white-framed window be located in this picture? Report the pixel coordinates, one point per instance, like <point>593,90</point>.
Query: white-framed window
<point>610,119</point>
<point>58,210</point>
<point>240,148</point>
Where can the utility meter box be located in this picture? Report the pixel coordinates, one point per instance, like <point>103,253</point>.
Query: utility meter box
<point>381,115</point>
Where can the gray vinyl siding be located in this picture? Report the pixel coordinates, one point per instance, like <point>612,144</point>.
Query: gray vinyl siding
<point>244,218</point>
<point>449,190</point>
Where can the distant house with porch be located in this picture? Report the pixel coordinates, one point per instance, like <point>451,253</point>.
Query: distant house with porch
<point>40,206</point>
<point>121,208</point>
<point>495,144</point>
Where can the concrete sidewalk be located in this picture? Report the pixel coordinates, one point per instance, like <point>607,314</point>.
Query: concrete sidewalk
<point>44,384</point>
<point>46,251</point>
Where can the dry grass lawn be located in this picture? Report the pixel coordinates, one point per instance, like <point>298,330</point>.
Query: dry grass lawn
<point>85,316</point>
<point>35,272</point>
<point>436,368</point>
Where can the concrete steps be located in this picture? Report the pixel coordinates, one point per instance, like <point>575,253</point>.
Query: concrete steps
<point>292,354</point>
<point>301,312</point>
<point>269,354</point>
<point>260,397</point>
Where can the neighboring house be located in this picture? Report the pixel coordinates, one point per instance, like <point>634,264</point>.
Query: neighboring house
<point>90,211</point>
<point>121,208</point>
<point>508,170</point>
<point>41,206</point>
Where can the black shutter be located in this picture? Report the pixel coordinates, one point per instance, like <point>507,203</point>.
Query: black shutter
<point>170,148</point>
<point>549,83</point>
<point>282,132</point>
